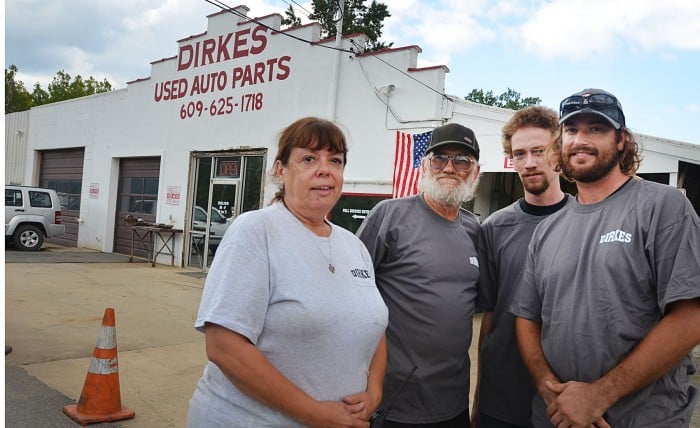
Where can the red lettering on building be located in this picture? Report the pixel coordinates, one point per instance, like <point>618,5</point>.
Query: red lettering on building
<point>260,36</point>
<point>222,53</point>
<point>214,50</point>
<point>261,72</point>
<point>208,48</point>
<point>241,43</point>
<point>283,65</point>
<point>170,90</point>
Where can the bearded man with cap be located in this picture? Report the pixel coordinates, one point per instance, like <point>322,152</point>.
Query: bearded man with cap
<point>609,305</point>
<point>424,249</point>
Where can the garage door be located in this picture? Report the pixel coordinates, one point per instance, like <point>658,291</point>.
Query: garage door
<point>62,170</point>
<point>137,196</point>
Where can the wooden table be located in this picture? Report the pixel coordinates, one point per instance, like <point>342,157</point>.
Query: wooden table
<point>155,240</point>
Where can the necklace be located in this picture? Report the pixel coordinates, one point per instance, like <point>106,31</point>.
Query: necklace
<point>315,238</point>
<point>329,259</point>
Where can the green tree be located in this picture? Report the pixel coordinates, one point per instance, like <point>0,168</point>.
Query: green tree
<point>357,18</point>
<point>509,99</point>
<point>17,98</point>
<point>39,96</point>
<point>62,88</point>
<point>291,18</point>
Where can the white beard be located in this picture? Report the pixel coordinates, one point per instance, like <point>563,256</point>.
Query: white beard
<point>448,196</point>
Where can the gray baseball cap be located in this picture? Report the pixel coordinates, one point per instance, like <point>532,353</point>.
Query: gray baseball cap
<point>595,101</point>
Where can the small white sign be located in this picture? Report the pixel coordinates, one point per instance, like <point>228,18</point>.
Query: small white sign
<point>173,195</point>
<point>94,190</point>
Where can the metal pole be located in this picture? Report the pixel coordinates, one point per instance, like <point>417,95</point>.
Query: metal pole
<point>333,93</point>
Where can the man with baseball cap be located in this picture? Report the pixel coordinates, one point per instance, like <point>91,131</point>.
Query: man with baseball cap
<point>609,304</point>
<point>504,390</point>
<point>424,249</point>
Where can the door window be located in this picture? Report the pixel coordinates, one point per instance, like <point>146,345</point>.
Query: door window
<point>13,198</point>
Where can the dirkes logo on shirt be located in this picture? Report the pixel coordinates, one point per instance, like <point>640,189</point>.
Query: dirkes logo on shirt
<point>616,236</point>
<point>360,273</point>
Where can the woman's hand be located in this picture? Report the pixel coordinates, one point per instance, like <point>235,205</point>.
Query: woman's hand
<point>339,414</point>
<point>362,405</point>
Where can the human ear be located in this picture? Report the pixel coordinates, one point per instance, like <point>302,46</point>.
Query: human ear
<point>279,169</point>
<point>622,138</point>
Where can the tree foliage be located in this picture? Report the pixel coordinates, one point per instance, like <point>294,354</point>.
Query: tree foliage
<point>291,18</point>
<point>509,99</point>
<point>357,18</point>
<point>61,88</point>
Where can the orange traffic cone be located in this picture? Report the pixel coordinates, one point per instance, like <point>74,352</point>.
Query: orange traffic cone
<point>100,400</point>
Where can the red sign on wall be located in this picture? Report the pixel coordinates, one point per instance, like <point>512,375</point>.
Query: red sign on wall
<point>229,169</point>
<point>507,162</point>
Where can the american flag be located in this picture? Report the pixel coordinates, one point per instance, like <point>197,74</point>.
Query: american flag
<point>410,149</point>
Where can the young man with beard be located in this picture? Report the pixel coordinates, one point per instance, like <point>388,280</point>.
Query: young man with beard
<point>609,305</point>
<point>424,249</point>
<point>505,390</point>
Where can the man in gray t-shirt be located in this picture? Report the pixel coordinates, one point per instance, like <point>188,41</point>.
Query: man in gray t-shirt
<point>609,305</point>
<point>425,258</point>
<point>504,389</point>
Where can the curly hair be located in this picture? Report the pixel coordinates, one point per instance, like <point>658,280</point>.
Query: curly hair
<point>535,116</point>
<point>629,158</point>
<point>308,132</point>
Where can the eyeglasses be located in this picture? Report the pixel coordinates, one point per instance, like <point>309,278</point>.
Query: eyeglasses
<point>460,162</point>
<point>521,155</point>
<point>603,103</point>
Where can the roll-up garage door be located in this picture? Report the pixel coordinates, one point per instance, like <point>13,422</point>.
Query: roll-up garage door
<point>138,196</point>
<point>62,170</point>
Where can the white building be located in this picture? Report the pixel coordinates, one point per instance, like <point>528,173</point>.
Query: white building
<point>196,138</point>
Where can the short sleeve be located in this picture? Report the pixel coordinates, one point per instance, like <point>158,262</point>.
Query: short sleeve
<point>236,293</point>
<point>487,289</point>
<point>676,251</point>
<point>527,301</point>
<point>370,235</point>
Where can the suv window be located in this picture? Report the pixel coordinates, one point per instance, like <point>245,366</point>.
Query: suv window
<point>39,199</point>
<point>13,198</point>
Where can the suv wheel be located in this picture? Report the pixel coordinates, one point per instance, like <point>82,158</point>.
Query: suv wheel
<point>28,238</point>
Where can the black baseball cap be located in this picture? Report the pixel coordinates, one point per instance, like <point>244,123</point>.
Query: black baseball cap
<point>595,101</point>
<point>454,133</point>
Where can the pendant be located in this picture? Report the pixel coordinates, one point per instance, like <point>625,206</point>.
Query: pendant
<point>331,268</point>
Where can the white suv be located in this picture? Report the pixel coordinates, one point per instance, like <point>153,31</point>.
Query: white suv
<point>31,215</point>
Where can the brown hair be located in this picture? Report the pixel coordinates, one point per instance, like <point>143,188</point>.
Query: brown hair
<point>629,158</point>
<point>535,116</point>
<point>309,132</point>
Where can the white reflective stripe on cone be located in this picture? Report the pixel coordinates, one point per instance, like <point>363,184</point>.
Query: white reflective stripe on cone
<point>104,366</point>
<point>107,339</point>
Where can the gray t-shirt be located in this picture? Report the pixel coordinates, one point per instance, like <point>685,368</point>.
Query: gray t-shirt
<point>505,388</point>
<point>599,278</point>
<point>270,282</point>
<point>427,270</point>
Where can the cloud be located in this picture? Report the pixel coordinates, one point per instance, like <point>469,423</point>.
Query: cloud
<point>116,40</point>
<point>695,108</point>
<point>443,31</point>
<point>579,29</point>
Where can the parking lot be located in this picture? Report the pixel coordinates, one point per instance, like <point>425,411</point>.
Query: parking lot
<point>54,303</point>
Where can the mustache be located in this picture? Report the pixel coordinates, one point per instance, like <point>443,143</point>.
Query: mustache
<point>581,149</point>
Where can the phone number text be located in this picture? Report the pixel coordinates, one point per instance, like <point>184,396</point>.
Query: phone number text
<point>222,106</point>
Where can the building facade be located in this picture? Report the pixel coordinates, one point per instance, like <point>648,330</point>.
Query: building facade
<point>190,145</point>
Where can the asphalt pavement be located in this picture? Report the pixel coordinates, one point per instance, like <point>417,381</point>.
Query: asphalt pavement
<point>54,303</point>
